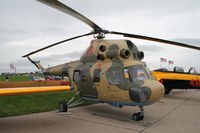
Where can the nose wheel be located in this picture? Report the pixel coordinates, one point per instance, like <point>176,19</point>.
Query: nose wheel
<point>138,116</point>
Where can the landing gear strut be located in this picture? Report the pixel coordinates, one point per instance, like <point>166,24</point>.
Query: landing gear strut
<point>63,106</point>
<point>138,116</point>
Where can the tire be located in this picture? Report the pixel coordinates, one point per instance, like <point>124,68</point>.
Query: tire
<point>167,90</point>
<point>137,116</point>
<point>63,106</point>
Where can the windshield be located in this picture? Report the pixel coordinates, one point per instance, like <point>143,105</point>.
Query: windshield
<point>138,72</point>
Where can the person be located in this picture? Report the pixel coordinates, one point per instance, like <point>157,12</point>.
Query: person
<point>6,78</point>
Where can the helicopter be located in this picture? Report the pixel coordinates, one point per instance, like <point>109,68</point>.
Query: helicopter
<point>109,71</point>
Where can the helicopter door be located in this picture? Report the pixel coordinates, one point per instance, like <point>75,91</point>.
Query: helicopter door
<point>97,77</point>
<point>115,76</point>
<point>116,82</point>
<point>85,83</point>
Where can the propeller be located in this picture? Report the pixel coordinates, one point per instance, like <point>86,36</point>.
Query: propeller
<point>98,30</point>
<point>155,40</point>
<point>54,44</point>
<point>63,8</point>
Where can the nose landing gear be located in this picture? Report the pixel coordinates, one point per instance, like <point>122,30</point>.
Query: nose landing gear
<point>138,116</point>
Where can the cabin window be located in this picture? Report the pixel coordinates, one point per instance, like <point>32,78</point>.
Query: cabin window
<point>115,76</point>
<point>76,77</point>
<point>96,75</point>
<point>84,74</point>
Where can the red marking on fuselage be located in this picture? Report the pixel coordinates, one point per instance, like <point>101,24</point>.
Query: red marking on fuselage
<point>89,51</point>
<point>99,65</point>
<point>92,42</point>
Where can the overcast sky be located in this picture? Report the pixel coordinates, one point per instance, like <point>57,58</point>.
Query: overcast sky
<point>27,25</point>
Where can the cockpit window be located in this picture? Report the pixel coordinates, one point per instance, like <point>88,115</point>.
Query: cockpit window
<point>115,76</point>
<point>192,71</point>
<point>138,72</point>
<point>76,77</point>
<point>150,74</point>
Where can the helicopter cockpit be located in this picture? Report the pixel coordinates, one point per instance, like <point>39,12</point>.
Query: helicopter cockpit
<point>138,72</point>
<point>126,77</point>
<point>132,73</point>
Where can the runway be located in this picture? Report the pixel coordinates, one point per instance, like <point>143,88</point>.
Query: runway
<point>178,112</point>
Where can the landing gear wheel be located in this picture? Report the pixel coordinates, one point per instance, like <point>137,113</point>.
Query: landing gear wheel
<point>137,116</point>
<point>167,90</point>
<point>62,106</point>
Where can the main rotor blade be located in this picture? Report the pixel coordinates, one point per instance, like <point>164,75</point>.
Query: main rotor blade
<point>154,39</point>
<point>62,7</point>
<point>54,44</point>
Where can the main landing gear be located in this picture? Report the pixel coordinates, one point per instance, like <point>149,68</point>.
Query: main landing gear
<point>168,90</point>
<point>63,106</point>
<point>138,116</point>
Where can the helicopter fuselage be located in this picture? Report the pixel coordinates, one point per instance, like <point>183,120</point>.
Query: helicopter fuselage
<point>112,71</point>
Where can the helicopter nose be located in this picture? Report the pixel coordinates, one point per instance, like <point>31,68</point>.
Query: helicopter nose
<point>140,94</point>
<point>151,91</point>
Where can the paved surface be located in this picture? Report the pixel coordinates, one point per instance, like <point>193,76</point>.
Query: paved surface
<point>178,112</point>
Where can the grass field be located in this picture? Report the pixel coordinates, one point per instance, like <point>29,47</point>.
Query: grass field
<point>33,103</point>
<point>15,78</point>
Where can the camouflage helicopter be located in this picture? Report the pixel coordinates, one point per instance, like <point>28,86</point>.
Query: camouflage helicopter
<point>109,71</point>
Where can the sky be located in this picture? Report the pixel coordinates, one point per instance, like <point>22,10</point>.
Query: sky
<point>28,25</point>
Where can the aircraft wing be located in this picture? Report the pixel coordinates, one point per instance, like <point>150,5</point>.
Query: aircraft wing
<point>30,90</point>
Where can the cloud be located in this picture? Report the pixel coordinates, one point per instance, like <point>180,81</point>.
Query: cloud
<point>150,48</point>
<point>29,25</point>
<point>190,41</point>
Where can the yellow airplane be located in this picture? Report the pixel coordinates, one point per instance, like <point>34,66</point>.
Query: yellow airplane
<point>178,79</point>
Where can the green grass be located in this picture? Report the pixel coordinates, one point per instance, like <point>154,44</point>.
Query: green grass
<point>33,103</point>
<point>15,78</point>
